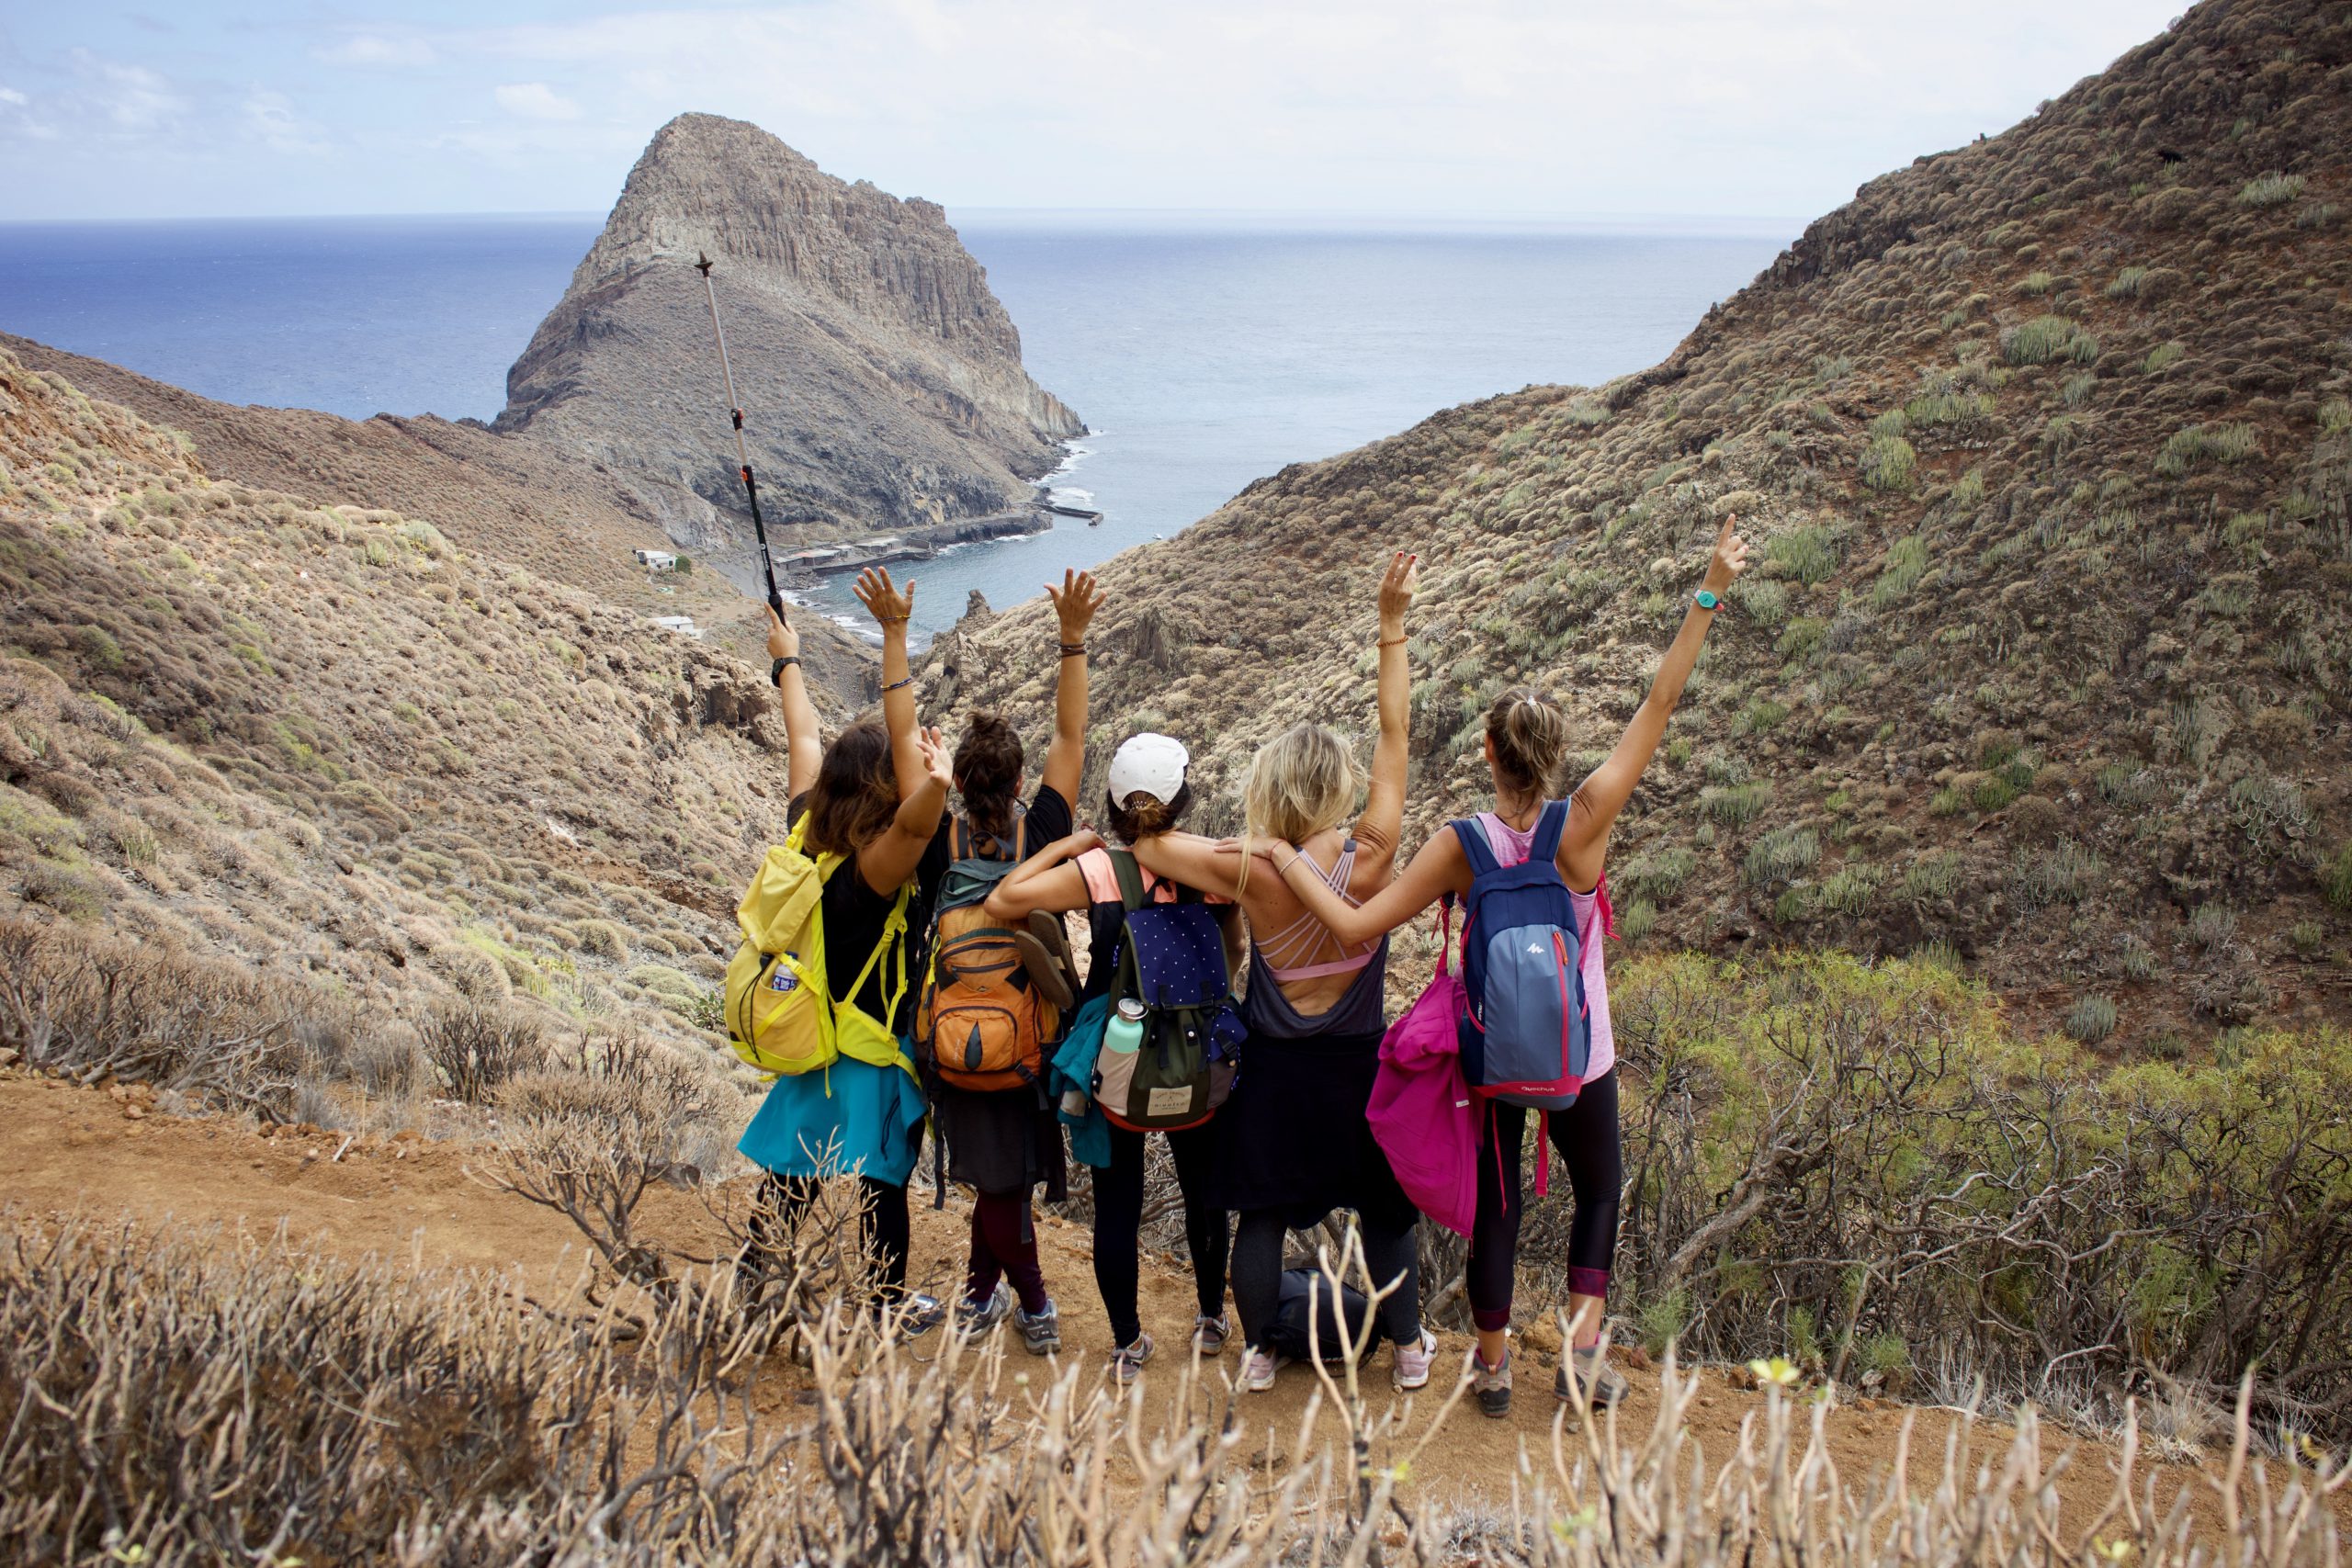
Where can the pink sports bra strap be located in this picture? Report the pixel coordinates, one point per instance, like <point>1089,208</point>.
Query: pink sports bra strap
<point>1300,937</point>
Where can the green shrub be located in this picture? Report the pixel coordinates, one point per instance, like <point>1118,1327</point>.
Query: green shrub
<point>1907,563</point>
<point>1762,715</point>
<point>1850,891</point>
<point>2270,191</point>
<point>1734,806</point>
<point>1761,600</point>
<point>1782,856</point>
<point>2091,1020</point>
<point>1932,876</point>
<point>1889,464</point>
<point>1994,792</point>
<point>1658,873</point>
<point>2040,341</point>
<point>2164,354</point>
<point>1808,553</point>
<point>2212,925</point>
<point>2197,444</point>
<point>2307,937</point>
<point>1969,491</point>
<point>2336,878</point>
<point>2037,283</point>
<point>2078,389</point>
<point>1637,919</point>
<point>2066,874</point>
<point>99,647</point>
<point>2125,285</point>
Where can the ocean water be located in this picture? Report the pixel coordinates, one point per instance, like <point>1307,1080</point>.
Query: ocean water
<point>1203,354</point>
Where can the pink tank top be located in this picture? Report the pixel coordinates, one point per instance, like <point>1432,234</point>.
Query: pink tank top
<point>1593,921</point>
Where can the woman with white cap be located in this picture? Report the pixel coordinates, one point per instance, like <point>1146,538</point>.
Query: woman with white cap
<point>1148,796</point>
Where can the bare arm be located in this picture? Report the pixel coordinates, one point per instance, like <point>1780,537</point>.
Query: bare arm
<point>1611,785</point>
<point>891,607</point>
<point>1384,811</point>
<point>804,747</point>
<point>1074,606</point>
<point>1211,865</point>
<point>1047,880</point>
<point>1438,867</point>
<point>890,860</point>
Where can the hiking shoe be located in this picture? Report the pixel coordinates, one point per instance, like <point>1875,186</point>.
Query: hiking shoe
<point>1491,1384</point>
<point>1413,1362</point>
<point>974,1318</point>
<point>1258,1372</point>
<point>914,1314</point>
<point>1126,1361</point>
<point>1209,1334</point>
<point>1041,1332</point>
<point>1608,1384</point>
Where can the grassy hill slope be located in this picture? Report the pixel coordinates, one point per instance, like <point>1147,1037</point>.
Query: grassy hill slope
<point>2047,444</point>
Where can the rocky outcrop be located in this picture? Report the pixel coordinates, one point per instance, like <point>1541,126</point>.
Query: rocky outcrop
<point>881,379</point>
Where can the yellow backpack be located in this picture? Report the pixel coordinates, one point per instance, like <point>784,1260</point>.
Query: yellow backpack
<point>781,1017</point>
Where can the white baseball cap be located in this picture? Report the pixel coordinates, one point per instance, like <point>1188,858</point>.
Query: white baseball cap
<point>1148,764</point>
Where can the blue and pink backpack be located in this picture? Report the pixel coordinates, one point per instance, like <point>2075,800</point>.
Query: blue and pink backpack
<point>1525,1028</point>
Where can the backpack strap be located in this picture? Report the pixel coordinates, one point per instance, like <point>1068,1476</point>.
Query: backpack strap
<point>1475,848</point>
<point>959,841</point>
<point>1550,829</point>
<point>1130,875</point>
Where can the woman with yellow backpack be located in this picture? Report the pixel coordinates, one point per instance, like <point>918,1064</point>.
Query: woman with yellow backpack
<point>819,995</point>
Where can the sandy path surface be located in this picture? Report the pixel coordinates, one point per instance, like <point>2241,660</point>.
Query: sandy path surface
<point>68,1150</point>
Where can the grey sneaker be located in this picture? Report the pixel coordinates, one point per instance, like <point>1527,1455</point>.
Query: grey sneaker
<point>1609,1386</point>
<point>1257,1371</point>
<point>1413,1362</point>
<point>1209,1334</point>
<point>1126,1361</point>
<point>914,1314</point>
<point>1491,1384</point>
<point>1041,1332</point>
<point>974,1318</point>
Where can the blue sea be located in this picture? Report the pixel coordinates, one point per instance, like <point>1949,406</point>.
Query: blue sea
<point>1202,351</point>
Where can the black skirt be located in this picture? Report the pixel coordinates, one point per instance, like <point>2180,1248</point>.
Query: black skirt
<point>1294,1137</point>
<point>1005,1140</point>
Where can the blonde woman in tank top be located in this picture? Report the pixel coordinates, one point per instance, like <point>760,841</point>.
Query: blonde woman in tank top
<point>1292,1143</point>
<point>1527,741</point>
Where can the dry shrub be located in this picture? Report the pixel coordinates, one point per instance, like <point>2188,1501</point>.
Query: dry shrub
<point>477,1048</point>
<point>355,1412</point>
<point>91,1007</point>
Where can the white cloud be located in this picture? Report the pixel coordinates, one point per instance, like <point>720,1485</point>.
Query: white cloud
<point>536,100</point>
<point>379,48</point>
<point>269,117</point>
<point>10,95</point>
<point>132,99</point>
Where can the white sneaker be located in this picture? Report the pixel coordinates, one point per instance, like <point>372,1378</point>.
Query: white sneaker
<point>1258,1372</point>
<point>1413,1362</point>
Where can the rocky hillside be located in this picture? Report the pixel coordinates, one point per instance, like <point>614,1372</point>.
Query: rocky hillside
<point>881,380</point>
<point>2046,442</point>
<point>570,522</point>
<point>331,742</point>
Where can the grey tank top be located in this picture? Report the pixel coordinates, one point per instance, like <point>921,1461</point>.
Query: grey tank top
<point>1362,1010</point>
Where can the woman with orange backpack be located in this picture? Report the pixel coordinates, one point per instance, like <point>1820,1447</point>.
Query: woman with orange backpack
<point>867,810</point>
<point>1526,743</point>
<point>992,994</point>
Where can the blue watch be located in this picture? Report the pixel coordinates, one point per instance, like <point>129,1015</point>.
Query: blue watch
<point>1707,600</point>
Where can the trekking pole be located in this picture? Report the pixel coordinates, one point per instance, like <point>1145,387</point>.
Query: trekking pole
<point>735,408</point>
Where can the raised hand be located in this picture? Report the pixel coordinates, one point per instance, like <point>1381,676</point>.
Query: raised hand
<point>883,601</point>
<point>1075,603</point>
<point>1730,558</point>
<point>784,638</point>
<point>1396,586</point>
<point>938,762</point>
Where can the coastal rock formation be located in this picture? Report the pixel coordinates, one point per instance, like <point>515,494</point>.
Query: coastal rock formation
<point>2045,667</point>
<point>881,379</point>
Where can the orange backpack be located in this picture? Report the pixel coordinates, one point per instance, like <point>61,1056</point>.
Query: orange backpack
<point>981,1024</point>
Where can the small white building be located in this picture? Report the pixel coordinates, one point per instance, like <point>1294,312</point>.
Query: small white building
<point>657,561</point>
<point>683,625</point>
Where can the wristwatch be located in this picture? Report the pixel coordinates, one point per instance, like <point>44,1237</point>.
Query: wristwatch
<point>775,671</point>
<point>1707,599</point>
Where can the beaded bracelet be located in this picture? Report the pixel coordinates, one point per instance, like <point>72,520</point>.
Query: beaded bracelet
<point>895,685</point>
<point>1073,649</point>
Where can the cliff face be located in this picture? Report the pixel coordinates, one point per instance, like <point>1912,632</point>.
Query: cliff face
<point>2045,444</point>
<point>881,380</point>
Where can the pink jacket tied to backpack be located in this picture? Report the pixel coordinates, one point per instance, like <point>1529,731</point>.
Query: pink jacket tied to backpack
<point>1421,1111</point>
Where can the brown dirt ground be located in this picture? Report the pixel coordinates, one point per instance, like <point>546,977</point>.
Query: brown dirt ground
<point>70,1150</point>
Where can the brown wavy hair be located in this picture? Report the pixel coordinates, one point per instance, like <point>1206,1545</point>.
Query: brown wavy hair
<point>987,774</point>
<point>856,793</point>
<point>1531,739</point>
<point>1144,815</point>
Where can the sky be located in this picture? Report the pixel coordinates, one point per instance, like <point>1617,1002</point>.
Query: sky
<point>1489,109</point>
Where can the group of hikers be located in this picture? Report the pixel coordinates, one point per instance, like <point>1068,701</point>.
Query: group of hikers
<point>904,968</point>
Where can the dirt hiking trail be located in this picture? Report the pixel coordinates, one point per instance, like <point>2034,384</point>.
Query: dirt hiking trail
<point>72,1151</point>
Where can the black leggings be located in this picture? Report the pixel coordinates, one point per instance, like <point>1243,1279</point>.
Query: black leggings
<point>1586,1135</point>
<point>882,1224</point>
<point>1391,1254</point>
<point>1118,1222</point>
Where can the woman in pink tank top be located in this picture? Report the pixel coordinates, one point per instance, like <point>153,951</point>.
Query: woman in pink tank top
<point>1527,741</point>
